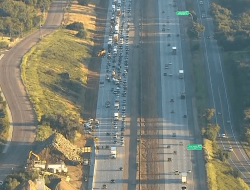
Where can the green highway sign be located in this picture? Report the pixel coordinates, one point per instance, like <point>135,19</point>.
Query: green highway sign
<point>182,12</point>
<point>194,147</point>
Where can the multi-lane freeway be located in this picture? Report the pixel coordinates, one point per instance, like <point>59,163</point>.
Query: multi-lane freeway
<point>23,117</point>
<point>171,119</point>
<point>113,88</point>
<point>218,94</point>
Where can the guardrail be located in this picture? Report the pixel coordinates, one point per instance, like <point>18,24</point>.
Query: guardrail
<point>92,168</point>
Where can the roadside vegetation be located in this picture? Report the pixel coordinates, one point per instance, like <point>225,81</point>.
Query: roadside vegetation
<point>54,73</point>
<point>232,21</point>
<point>21,16</point>
<point>4,123</point>
<point>220,174</point>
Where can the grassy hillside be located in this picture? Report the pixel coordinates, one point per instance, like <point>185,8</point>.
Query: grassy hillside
<point>54,73</point>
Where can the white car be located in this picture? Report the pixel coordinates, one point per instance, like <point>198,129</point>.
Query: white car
<point>201,2</point>
<point>223,135</point>
<point>123,115</point>
<point>230,149</point>
<point>115,127</point>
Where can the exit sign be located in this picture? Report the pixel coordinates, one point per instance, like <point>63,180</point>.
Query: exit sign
<point>194,147</point>
<point>182,12</point>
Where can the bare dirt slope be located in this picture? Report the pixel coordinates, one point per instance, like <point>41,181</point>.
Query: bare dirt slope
<point>94,64</point>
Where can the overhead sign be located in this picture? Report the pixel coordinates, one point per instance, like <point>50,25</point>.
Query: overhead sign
<point>182,12</point>
<point>194,147</point>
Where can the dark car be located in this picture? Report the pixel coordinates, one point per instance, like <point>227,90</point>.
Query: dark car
<point>112,181</point>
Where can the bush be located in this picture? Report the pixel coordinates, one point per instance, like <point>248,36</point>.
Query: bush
<point>83,2</point>
<point>12,183</point>
<point>212,131</point>
<point>82,34</point>
<point>75,26</point>
<point>3,45</point>
<point>43,132</point>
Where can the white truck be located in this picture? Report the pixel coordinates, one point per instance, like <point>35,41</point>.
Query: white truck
<point>117,104</point>
<point>174,49</point>
<point>184,177</point>
<point>116,116</point>
<point>113,152</point>
<point>181,74</point>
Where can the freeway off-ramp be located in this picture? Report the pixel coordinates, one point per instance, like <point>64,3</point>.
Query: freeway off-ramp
<point>23,117</point>
<point>219,97</point>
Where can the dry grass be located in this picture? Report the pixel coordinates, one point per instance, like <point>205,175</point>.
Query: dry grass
<point>84,14</point>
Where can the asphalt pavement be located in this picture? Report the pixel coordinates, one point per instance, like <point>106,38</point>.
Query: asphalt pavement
<point>173,107</point>
<point>218,94</point>
<point>23,117</point>
<point>110,132</point>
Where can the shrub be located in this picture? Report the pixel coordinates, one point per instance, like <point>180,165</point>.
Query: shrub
<point>3,45</point>
<point>82,34</point>
<point>75,26</point>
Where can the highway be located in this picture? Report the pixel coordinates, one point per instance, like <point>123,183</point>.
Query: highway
<point>23,117</point>
<point>173,107</point>
<point>111,132</point>
<point>218,95</point>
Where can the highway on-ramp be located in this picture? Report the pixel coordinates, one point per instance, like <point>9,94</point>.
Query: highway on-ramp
<point>218,94</point>
<point>23,116</point>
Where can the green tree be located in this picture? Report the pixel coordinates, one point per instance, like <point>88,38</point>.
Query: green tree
<point>198,27</point>
<point>12,183</point>
<point>224,156</point>
<point>212,131</point>
<point>82,34</point>
<point>209,114</point>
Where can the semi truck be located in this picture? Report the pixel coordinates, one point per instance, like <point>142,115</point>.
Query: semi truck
<point>174,49</point>
<point>181,74</point>
<point>113,152</point>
